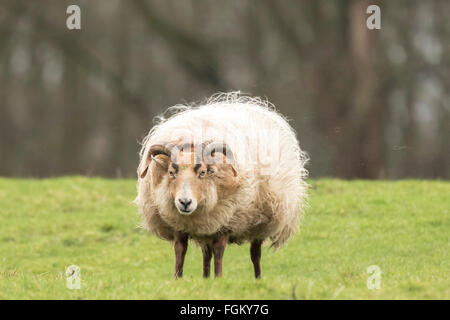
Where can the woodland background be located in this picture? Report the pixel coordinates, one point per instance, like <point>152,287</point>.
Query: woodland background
<point>365,103</point>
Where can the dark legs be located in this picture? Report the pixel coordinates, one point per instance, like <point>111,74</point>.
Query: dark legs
<point>218,248</point>
<point>215,248</point>
<point>181,245</point>
<point>207,255</point>
<point>255,254</point>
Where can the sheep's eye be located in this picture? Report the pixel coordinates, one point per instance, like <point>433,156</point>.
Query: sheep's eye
<point>210,171</point>
<point>171,174</point>
<point>202,173</point>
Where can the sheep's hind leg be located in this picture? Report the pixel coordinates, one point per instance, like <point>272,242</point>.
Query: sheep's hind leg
<point>255,254</point>
<point>207,255</point>
<point>181,245</point>
<point>218,248</point>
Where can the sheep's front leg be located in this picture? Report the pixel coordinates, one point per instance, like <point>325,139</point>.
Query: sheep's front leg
<point>255,254</point>
<point>218,248</point>
<point>207,255</point>
<point>181,245</point>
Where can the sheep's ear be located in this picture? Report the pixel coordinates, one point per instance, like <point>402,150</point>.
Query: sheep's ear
<point>162,161</point>
<point>233,169</point>
<point>143,167</point>
<point>230,169</point>
<point>229,179</point>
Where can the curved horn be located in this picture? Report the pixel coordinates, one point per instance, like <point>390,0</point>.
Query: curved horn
<point>158,149</point>
<point>210,148</point>
<point>154,151</point>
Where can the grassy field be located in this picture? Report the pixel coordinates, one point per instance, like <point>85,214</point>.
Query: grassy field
<point>402,227</point>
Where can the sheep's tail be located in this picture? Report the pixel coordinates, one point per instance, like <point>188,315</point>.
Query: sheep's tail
<point>292,225</point>
<point>280,238</point>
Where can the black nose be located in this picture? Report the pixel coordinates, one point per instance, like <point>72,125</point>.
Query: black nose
<point>185,202</point>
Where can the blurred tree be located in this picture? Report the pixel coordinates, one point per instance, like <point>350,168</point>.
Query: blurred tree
<point>366,103</point>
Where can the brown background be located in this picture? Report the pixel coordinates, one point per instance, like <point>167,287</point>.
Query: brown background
<point>366,104</point>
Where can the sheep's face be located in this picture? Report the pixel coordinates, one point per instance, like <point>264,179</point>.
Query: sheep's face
<point>190,183</point>
<point>194,184</point>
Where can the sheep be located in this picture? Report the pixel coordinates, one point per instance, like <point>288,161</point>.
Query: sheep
<point>229,170</point>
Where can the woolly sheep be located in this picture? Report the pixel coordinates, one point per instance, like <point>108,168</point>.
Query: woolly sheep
<point>226,171</point>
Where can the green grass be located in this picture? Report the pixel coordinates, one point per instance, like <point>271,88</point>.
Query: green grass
<point>47,225</point>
